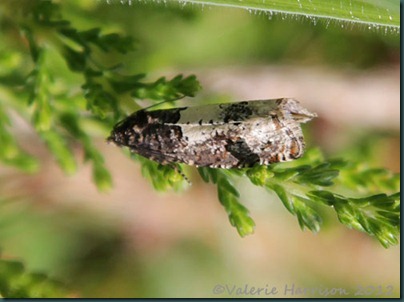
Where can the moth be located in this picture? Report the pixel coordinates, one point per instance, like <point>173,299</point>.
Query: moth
<point>232,135</point>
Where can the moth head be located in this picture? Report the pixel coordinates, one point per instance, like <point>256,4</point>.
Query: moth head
<point>117,135</point>
<point>114,138</point>
<point>296,111</point>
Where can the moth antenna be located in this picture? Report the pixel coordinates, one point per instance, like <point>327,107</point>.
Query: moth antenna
<point>178,170</point>
<point>165,101</point>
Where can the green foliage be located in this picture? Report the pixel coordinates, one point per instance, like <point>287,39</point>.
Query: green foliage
<point>303,187</point>
<point>55,76</point>
<point>378,215</point>
<point>162,177</point>
<point>10,153</point>
<point>61,111</point>
<point>16,282</point>
<point>56,115</point>
<point>229,198</point>
<point>306,184</point>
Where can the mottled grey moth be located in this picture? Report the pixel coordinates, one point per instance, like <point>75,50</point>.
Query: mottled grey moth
<point>233,135</point>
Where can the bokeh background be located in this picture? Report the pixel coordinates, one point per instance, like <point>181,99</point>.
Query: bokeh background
<point>136,242</point>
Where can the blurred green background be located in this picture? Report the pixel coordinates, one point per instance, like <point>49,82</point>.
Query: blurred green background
<point>134,242</point>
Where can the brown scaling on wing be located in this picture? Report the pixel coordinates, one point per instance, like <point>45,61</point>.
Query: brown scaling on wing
<point>295,149</point>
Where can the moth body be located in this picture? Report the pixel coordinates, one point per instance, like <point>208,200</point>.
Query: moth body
<point>234,135</point>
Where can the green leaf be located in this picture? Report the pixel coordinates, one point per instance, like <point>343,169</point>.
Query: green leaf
<point>122,83</point>
<point>208,174</point>
<point>16,282</point>
<point>39,81</point>
<point>229,198</point>
<point>163,89</point>
<point>396,196</point>
<point>10,152</point>
<point>320,175</point>
<point>57,145</point>
<point>116,42</point>
<point>360,176</point>
<point>102,177</point>
<point>99,101</point>
<point>284,197</point>
<point>376,215</point>
<point>306,215</point>
<point>204,173</point>
<point>226,187</point>
<point>285,174</point>
<point>162,177</point>
<point>325,197</point>
<point>33,46</point>
<point>259,175</point>
<point>301,185</point>
<point>76,60</point>
<point>370,12</point>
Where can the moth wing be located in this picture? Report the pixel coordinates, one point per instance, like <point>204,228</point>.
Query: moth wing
<point>148,151</point>
<point>231,113</point>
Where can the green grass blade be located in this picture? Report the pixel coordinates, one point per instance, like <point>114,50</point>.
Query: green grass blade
<point>375,13</point>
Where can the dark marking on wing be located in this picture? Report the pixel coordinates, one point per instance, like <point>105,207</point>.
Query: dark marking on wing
<point>166,116</point>
<point>240,150</point>
<point>236,112</point>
